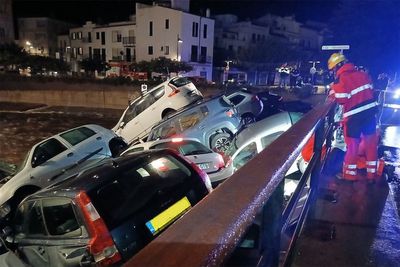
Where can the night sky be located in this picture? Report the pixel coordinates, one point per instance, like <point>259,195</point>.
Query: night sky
<point>103,11</point>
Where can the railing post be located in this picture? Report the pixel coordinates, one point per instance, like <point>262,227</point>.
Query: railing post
<point>271,228</point>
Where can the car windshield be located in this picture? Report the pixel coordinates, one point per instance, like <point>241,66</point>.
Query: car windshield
<point>180,81</point>
<point>185,147</point>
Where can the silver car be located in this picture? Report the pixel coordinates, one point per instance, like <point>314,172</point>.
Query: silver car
<point>206,159</point>
<point>255,137</point>
<point>247,103</point>
<point>213,123</point>
<point>48,160</point>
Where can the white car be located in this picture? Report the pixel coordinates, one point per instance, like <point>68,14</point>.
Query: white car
<point>156,104</point>
<point>255,137</point>
<point>206,159</point>
<point>47,161</point>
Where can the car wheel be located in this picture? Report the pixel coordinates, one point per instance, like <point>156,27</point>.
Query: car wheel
<point>220,142</point>
<point>248,119</point>
<point>117,145</point>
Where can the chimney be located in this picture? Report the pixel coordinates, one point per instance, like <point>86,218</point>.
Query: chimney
<point>208,12</point>
<point>182,5</point>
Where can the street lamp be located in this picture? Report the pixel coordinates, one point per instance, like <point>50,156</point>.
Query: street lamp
<point>313,70</point>
<point>226,70</point>
<point>178,41</point>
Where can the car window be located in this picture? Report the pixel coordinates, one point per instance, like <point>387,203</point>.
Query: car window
<point>187,121</point>
<point>147,184</point>
<point>237,99</point>
<point>46,151</point>
<point>266,140</point>
<point>29,220</point>
<point>186,147</point>
<point>295,116</point>
<point>76,136</point>
<point>60,217</point>
<point>158,93</point>
<point>247,153</point>
<point>138,107</point>
<point>180,81</point>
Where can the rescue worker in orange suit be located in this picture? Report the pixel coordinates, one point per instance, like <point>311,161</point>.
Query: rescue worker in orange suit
<point>354,90</point>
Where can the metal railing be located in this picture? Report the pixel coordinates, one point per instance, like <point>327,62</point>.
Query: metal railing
<point>128,40</point>
<point>212,233</point>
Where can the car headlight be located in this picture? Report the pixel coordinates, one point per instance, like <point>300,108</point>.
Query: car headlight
<point>4,210</point>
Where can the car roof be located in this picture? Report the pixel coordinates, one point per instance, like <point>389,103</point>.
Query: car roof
<point>256,129</point>
<point>97,175</point>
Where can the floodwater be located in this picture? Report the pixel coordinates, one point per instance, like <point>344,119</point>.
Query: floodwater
<point>22,126</point>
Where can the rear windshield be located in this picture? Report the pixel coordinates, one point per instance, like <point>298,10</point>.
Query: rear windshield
<point>181,81</point>
<point>149,183</point>
<point>76,136</point>
<point>186,147</point>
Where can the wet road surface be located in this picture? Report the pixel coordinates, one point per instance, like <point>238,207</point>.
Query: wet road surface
<point>24,125</point>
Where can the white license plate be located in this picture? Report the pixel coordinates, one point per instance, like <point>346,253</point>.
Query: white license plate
<point>204,166</point>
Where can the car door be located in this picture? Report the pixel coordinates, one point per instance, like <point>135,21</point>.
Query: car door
<point>30,234</point>
<point>49,159</point>
<point>153,112</point>
<point>87,144</point>
<point>67,236</point>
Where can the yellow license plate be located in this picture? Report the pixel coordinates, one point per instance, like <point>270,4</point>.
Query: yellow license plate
<point>168,216</point>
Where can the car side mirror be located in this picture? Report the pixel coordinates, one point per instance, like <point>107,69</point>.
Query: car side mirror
<point>121,125</point>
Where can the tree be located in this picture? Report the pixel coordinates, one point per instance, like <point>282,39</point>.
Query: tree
<point>12,54</point>
<point>161,65</point>
<point>372,29</point>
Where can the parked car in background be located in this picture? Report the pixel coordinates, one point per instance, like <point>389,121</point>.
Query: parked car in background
<point>46,161</point>
<point>255,137</point>
<point>156,104</point>
<point>247,103</point>
<point>106,214</point>
<point>206,159</point>
<point>212,122</point>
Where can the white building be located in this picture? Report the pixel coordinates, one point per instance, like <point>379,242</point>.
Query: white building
<point>39,35</point>
<point>6,22</point>
<point>155,31</point>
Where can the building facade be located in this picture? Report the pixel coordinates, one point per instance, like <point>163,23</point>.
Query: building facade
<point>155,31</point>
<point>6,22</point>
<point>39,36</point>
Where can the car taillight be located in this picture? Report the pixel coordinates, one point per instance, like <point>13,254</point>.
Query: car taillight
<point>203,175</point>
<point>255,98</point>
<point>221,162</point>
<point>101,245</point>
<point>174,90</point>
<point>230,113</point>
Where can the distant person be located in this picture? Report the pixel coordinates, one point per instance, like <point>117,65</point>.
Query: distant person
<point>353,89</point>
<point>294,74</point>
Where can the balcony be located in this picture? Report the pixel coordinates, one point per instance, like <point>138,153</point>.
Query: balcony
<point>129,41</point>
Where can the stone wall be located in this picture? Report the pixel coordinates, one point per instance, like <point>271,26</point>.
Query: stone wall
<point>65,94</point>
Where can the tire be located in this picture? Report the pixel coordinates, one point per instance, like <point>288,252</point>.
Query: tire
<point>248,119</point>
<point>117,145</point>
<point>220,142</point>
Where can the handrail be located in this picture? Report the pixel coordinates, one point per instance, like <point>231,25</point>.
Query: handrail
<point>209,233</point>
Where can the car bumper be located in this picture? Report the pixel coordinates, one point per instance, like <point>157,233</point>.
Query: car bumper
<point>218,177</point>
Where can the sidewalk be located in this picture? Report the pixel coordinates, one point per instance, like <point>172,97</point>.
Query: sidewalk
<point>360,229</point>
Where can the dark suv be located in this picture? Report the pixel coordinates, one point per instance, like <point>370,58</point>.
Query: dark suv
<point>107,214</point>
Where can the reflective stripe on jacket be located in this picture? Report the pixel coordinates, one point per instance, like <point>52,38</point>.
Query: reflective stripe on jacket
<point>354,90</point>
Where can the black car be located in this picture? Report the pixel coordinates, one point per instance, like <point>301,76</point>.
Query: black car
<point>108,213</point>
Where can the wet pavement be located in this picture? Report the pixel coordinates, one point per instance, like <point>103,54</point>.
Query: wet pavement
<point>23,125</point>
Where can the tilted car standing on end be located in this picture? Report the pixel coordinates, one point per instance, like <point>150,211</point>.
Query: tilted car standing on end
<point>156,104</point>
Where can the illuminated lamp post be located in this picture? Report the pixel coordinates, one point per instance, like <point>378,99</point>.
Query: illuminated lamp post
<point>178,41</point>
